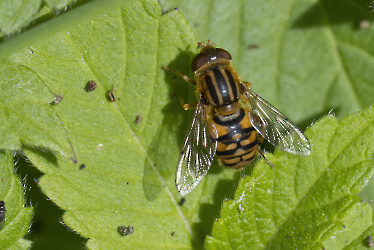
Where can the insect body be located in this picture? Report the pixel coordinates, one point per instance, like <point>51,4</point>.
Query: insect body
<point>91,85</point>
<point>58,99</point>
<point>237,139</point>
<point>111,95</point>
<point>230,120</point>
<point>126,230</point>
<point>139,118</point>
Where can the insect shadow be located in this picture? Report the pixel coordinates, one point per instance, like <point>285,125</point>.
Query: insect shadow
<point>169,137</point>
<point>225,189</point>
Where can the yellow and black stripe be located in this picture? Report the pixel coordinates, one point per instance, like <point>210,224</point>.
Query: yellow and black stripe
<point>237,142</point>
<point>219,86</point>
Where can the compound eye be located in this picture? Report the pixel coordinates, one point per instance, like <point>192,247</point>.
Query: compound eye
<point>199,61</point>
<point>221,53</point>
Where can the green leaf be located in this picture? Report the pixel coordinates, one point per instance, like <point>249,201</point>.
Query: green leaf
<point>58,4</point>
<point>32,27</point>
<point>16,14</point>
<point>129,178</point>
<point>17,216</point>
<point>306,202</point>
<point>26,119</point>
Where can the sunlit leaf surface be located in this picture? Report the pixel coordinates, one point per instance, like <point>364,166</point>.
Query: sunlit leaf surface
<point>306,202</point>
<point>17,216</point>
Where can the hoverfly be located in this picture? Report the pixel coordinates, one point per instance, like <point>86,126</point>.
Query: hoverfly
<point>230,121</point>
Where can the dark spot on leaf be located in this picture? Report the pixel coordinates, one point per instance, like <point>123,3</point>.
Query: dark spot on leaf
<point>139,118</point>
<point>126,230</point>
<point>370,241</point>
<point>181,202</point>
<point>252,46</point>
<point>58,99</point>
<point>91,85</point>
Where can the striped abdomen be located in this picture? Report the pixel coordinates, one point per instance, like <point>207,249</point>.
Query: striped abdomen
<point>237,138</point>
<point>219,87</point>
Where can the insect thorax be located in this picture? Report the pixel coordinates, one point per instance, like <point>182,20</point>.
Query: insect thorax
<point>219,87</point>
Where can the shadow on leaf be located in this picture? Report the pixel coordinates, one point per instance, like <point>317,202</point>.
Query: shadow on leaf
<point>45,14</point>
<point>172,130</point>
<point>45,153</point>
<point>209,212</point>
<point>332,12</point>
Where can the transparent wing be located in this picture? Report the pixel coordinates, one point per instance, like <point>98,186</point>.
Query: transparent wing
<point>275,126</point>
<point>197,153</point>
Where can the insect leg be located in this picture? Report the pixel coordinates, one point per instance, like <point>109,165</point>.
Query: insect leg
<point>247,84</point>
<point>186,78</point>
<point>260,140</point>
<point>185,106</point>
<point>265,159</point>
<point>189,105</point>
